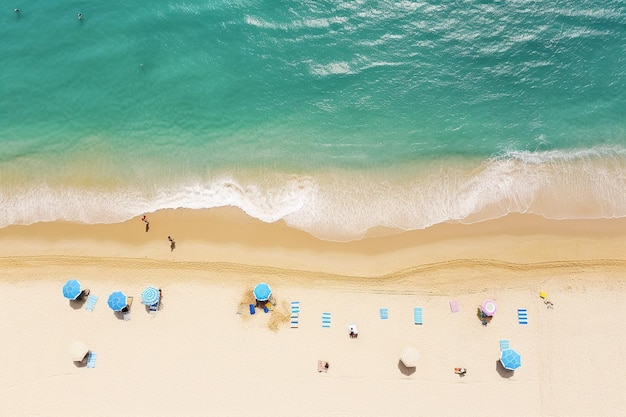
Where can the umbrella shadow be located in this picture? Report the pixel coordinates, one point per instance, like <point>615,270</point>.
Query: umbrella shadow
<point>120,314</point>
<point>159,307</point>
<point>82,363</point>
<point>406,370</point>
<point>502,371</point>
<point>78,303</point>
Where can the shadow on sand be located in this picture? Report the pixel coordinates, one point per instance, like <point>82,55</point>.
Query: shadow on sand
<point>405,370</point>
<point>78,303</point>
<point>502,371</point>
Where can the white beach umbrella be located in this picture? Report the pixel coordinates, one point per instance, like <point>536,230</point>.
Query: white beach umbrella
<point>78,351</point>
<point>409,357</point>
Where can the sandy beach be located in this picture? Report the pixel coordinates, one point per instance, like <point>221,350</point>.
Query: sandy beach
<point>204,354</point>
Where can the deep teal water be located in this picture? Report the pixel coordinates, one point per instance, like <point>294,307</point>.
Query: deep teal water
<point>336,116</point>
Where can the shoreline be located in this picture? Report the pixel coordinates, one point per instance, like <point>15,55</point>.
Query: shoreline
<point>227,235</point>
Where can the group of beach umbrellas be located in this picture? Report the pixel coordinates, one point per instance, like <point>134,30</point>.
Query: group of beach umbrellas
<point>509,358</point>
<point>117,300</point>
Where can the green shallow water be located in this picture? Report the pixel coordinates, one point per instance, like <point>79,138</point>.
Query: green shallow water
<point>330,115</point>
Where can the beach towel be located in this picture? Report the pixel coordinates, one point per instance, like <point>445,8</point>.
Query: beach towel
<point>384,314</point>
<point>252,311</point>
<point>455,306</point>
<point>504,344</point>
<point>91,302</point>
<point>326,320</point>
<point>522,316</point>
<point>91,361</point>
<point>417,315</point>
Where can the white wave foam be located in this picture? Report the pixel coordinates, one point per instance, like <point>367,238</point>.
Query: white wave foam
<point>343,206</point>
<point>332,68</point>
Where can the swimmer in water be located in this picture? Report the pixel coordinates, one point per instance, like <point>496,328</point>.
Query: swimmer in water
<point>79,16</point>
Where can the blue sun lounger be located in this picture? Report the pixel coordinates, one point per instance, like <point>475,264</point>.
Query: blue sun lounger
<point>91,361</point>
<point>522,316</point>
<point>295,314</point>
<point>252,310</point>
<point>384,313</point>
<point>91,302</point>
<point>417,315</point>
<point>326,320</point>
<point>504,344</point>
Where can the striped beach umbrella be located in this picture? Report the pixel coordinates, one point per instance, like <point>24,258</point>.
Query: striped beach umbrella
<point>488,307</point>
<point>262,292</point>
<point>150,296</point>
<point>510,359</point>
<point>117,301</point>
<point>71,289</point>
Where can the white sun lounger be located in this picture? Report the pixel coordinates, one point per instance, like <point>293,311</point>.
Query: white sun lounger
<point>90,304</point>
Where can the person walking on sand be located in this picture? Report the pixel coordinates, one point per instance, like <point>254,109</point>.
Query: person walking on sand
<point>172,243</point>
<point>145,220</point>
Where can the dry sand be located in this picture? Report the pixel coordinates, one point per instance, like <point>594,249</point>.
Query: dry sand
<point>204,354</point>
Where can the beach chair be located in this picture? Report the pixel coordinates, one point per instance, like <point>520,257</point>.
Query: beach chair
<point>504,344</point>
<point>384,313</point>
<point>154,308</point>
<point>90,304</point>
<point>294,321</point>
<point>252,310</point>
<point>326,320</point>
<point>522,316</point>
<point>295,307</point>
<point>455,306</point>
<point>91,361</point>
<point>417,315</point>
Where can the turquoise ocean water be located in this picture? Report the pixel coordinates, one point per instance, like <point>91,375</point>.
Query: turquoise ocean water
<point>336,116</point>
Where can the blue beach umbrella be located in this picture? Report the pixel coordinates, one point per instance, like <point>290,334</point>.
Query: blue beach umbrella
<point>71,289</point>
<point>117,301</point>
<point>510,359</point>
<point>262,292</point>
<point>150,296</point>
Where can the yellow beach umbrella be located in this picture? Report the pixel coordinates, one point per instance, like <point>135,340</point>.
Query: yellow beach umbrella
<point>543,294</point>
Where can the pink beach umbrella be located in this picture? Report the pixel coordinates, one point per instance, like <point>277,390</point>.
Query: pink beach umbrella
<point>488,307</point>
